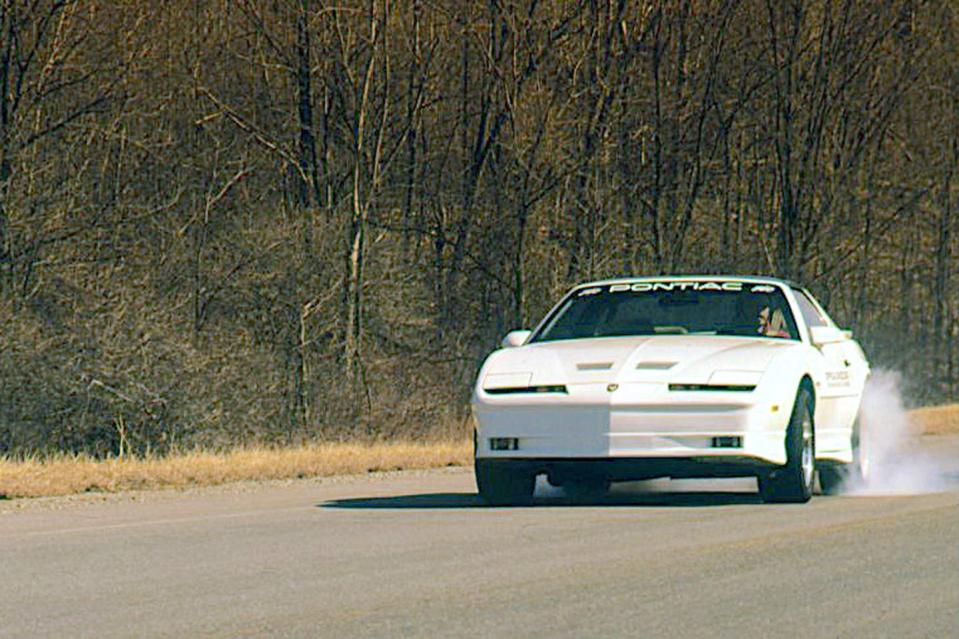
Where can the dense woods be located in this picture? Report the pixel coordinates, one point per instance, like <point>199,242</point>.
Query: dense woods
<point>233,221</point>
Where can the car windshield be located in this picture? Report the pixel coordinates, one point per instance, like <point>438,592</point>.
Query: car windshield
<point>745,309</point>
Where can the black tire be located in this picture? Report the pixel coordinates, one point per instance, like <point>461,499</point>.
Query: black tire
<point>836,479</point>
<point>833,478</point>
<point>793,482</point>
<point>499,484</point>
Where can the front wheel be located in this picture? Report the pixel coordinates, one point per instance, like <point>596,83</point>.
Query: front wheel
<point>793,483</point>
<point>499,484</point>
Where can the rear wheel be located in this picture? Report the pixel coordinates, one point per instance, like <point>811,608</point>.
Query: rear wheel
<point>499,484</point>
<point>839,478</point>
<point>793,483</point>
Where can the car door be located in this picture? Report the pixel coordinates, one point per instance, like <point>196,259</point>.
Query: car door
<point>846,370</point>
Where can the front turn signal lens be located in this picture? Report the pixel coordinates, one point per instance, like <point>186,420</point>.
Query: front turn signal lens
<point>503,443</point>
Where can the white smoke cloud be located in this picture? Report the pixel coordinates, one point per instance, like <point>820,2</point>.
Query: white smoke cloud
<point>898,465</point>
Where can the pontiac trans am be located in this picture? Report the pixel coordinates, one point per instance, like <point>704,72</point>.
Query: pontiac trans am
<point>679,377</point>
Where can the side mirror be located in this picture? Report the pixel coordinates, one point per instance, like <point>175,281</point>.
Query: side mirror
<point>515,338</point>
<point>821,335</point>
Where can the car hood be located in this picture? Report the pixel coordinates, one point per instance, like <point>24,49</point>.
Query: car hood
<point>688,359</point>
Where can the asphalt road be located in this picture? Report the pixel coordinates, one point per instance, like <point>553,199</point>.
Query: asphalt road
<point>416,555</point>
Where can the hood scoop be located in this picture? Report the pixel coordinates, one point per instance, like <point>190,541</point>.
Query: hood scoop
<point>594,366</point>
<point>654,366</point>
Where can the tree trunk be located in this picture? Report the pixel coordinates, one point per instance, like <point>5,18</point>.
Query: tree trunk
<point>308,178</point>
<point>944,266</point>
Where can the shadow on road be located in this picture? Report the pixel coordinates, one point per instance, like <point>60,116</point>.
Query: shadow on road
<point>441,501</point>
<point>422,500</point>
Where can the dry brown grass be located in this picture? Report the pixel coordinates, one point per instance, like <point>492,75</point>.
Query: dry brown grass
<point>936,420</point>
<point>69,475</point>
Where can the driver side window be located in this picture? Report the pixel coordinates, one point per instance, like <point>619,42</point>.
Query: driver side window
<point>808,310</point>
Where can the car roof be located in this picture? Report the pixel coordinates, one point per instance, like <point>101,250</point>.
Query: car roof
<point>759,279</point>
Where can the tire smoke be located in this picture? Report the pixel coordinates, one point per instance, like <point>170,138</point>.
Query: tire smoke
<point>897,464</point>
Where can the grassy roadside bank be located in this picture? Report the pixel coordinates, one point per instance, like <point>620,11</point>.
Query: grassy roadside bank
<point>69,475</point>
<point>936,420</point>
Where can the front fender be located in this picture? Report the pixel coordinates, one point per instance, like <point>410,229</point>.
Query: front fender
<point>786,371</point>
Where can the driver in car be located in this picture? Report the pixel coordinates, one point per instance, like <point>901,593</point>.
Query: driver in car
<point>772,323</point>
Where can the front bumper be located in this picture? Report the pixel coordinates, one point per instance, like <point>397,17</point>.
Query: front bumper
<point>636,421</point>
<point>559,471</point>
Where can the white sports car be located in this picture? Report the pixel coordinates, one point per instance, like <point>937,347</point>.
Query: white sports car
<point>693,376</point>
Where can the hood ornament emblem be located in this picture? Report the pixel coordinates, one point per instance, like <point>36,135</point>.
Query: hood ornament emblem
<point>612,387</point>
